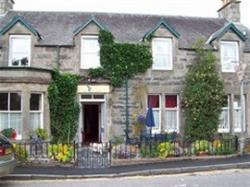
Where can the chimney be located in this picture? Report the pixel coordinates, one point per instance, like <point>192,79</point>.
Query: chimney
<point>6,5</point>
<point>230,10</point>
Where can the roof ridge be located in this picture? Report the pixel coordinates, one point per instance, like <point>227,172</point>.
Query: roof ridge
<point>117,13</point>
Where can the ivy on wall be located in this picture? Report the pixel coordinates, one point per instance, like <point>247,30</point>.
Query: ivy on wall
<point>120,61</point>
<point>64,108</point>
<point>203,95</point>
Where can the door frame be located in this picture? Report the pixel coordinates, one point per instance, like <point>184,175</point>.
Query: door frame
<point>102,117</point>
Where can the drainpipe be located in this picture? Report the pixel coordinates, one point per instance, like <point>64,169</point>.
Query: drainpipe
<point>57,57</point>
<point>127,112</point>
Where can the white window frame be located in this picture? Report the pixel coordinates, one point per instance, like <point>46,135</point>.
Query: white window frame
<point>8,111</point>
<point>177,115</point>
<point>238,129</point>
<point>226,130</point>
<point>41,111</point>
<point>83,66</point>
<point>154,129</point>
<point>234,63</point>
<point>11,37</point>
<point>169,54</point>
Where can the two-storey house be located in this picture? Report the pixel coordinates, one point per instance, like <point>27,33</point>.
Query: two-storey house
<point>33,43</point>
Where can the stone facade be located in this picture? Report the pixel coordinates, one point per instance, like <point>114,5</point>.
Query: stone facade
<point>67,58</point>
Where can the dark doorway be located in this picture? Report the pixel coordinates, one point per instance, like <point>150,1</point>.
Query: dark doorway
<point>90,123</point>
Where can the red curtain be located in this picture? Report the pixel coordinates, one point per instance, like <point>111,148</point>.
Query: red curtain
<point>171,101</point>
<point>153,101</point>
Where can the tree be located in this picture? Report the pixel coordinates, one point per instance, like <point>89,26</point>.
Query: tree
<point>203,95</point>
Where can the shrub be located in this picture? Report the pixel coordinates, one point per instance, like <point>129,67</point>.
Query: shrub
<point>166,149</point>
<point>222,147</point>
<point>201,147</point>
<point>61,152</point>
<point>20,152</point>
<point>203,96</point>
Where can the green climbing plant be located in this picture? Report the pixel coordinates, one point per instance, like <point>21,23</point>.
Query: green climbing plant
<point>120,61</point>
<point>64,108</point>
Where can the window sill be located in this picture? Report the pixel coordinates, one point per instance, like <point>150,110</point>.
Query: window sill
<point>223,131</point>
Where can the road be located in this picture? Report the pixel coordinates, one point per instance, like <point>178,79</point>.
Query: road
<point>230,178</point>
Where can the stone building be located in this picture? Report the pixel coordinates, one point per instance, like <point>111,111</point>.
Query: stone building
<point>33,43</point>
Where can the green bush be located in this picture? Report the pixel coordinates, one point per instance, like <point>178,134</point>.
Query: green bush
<point>166,149</point>
<point>61,152</point>
<point>42,133</point>
<point>223,147</point>
<point>20,152</point>
<point>9,133</point>
<point>201,146</point>
<point>203,95</point>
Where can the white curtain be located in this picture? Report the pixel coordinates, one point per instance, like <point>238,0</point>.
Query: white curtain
<point>3,121</point>
<point>171,120</point>
<point>35,121</point>
<point>156,114</point>
<point>15,122</point>
<point>237,118</point>
<point>224,123</point>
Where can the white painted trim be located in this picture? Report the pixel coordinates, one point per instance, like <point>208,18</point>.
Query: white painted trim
<point>222,51</point>
<point>156,130</point>
<point>177,109</point>
<point>82,49</point>
<point>10,48</point>
<point>170,43</point>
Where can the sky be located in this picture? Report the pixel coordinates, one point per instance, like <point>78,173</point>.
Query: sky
<point>203,8</point>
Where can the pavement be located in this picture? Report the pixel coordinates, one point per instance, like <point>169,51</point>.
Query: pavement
<point>159,168</point>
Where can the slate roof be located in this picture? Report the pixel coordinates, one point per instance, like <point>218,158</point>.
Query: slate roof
<point>57,28</point>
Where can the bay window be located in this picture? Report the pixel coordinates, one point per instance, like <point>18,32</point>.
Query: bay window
<point>229,55</point>
<point>154,103</point>
<point>171,113</point>
<point>90,49</point>
<point>162,53</point>
<point>10,112</point>
<point>19,50</point>
<point>36,111</point>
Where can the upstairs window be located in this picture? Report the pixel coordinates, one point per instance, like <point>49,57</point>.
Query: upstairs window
<point>162,54</point>
<point>229,56</point>
<point>19,50</point>
<point>90,52</point>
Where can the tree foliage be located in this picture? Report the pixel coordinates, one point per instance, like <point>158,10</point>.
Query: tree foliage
<point>203,95</point>
<point>64,108</point>
<point>120,60</point>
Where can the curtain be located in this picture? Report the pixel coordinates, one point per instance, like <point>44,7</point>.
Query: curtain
<point>153,101</point>
<point>171,119</point>
<point>35,121</point>
<point>224,123</point>
<point>171,101</point>
<point>15,122</point>
<point>3,121</point>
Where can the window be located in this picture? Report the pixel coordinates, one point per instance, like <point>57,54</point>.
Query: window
<point>229,56</point>
<point>19,50</point>
<point>90,57</point>
<point>171,113</point>
<point>224,117</point>
<point>162,54</point>
<point>237,114</point>
<point>154,103</point>
<point>36,111</point>
<point>10,112</point>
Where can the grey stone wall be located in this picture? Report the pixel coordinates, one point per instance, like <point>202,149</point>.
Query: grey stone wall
<point>151,82</point>
<point>231,11</point>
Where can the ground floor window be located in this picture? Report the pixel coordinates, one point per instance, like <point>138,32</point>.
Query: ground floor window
<point>237,110</point>
<point>36,111</point>
<point>169,121</point>
<point>224,116</point>
<point>10,112</point>
<point>171,113</point>
<point>154,102</point>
